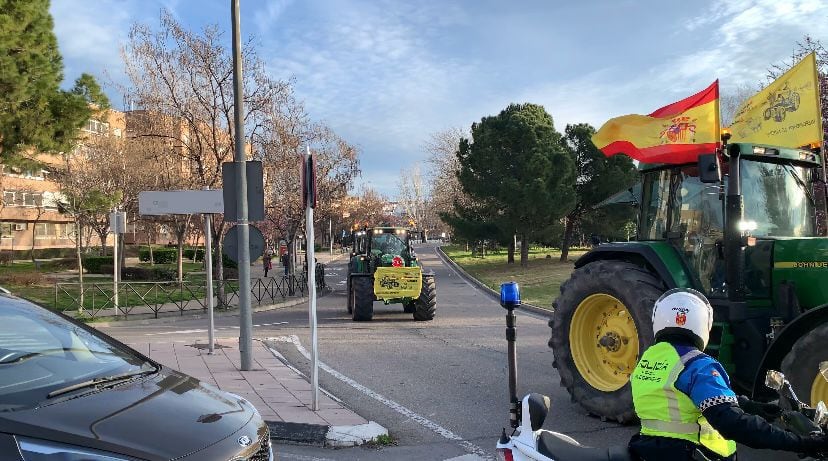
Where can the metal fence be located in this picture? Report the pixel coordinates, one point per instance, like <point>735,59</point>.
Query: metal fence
<point>94,300</point>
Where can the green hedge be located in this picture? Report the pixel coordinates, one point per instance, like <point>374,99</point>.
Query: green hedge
<point>94,264</point>
<point>197,252</point>
<point>161,255</point>
<point>154,274</point>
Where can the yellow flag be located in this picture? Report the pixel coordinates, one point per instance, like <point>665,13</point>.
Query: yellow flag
<point>786,113</point>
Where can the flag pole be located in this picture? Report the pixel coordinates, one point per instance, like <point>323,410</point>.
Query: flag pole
<point>718,116</point>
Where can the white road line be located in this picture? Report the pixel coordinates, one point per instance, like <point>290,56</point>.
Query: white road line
<point>423,421</point>
<point>184,332</point>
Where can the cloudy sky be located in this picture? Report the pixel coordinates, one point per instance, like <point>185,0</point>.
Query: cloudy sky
<point>386,74</point>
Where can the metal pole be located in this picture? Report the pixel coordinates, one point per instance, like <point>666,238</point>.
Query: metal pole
<point>330,234</point>
<point>208,266</point>
<point>115,267</point>
<point>312,302</point>
<point>511,353</point>
<point>245,314</point>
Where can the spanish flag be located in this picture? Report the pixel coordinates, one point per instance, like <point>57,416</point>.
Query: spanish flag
<point>786,113</point>
<point>676,133</point>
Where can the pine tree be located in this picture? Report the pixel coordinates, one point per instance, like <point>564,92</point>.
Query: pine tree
<point>34,111</point>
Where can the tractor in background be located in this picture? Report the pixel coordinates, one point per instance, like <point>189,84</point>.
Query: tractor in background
<point>746,227</point>
<point>384,267</point>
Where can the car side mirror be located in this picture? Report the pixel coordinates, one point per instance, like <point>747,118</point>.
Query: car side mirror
<point>710,170</point>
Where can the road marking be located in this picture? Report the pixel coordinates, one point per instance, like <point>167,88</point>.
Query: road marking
<point>185,332</point>
<point>465,458</point>
<point>423,421</point>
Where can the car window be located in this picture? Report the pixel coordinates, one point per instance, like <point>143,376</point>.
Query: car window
<point>41,351</point>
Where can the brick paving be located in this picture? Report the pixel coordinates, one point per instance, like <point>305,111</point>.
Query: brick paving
<point>276,390</point>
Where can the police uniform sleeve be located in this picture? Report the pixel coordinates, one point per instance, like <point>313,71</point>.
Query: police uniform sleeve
<point>709,388</point>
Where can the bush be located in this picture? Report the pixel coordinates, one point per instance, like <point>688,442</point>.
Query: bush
<point>152,274</point>
<point>93,264</point>
<point>317,247</point>
<point>231,273</point>
<point>198,252</point>
<point>159,255</point>
<point>227,262</point>
<point>60,264</point>
<point>22,278</point>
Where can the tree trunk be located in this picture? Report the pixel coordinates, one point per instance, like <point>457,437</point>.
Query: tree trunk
<point>567,237</point>
<point>102,237</point>
<point>510,258</point>
<point>80,263</point>
<point>524,250</point>
<point>149,245</point>
<point>180,247</point>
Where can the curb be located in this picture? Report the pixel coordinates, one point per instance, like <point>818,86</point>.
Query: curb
<point>322,435</point>
<point>485,288</point>
<point>175,317</point>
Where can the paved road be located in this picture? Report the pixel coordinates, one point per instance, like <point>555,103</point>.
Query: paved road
<point>440,387</point>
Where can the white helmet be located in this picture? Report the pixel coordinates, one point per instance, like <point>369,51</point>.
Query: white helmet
<point>683,310</point>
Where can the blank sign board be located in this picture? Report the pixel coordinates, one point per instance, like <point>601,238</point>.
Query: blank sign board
<point>180,202</point>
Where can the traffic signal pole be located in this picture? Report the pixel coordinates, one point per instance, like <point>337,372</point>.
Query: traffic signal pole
<point>245,314</point>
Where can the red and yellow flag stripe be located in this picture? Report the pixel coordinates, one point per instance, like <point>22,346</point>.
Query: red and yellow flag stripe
<point>676,133</point>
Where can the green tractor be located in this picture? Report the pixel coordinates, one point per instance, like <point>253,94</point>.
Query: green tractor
<point>384,267</point>
<point>749,233</point>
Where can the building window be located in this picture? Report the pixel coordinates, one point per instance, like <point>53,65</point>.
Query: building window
<point>27,199</point>
<point>51,230</point>
<point>97,127</point>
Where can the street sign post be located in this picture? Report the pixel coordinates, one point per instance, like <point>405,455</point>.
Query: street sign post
<point>117,224</point>
<point>204,202</point>
<point>309,202</point>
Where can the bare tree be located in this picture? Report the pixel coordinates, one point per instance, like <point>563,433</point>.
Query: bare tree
<point>444,166</point>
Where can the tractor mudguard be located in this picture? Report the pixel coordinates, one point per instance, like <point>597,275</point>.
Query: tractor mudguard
<point>661,258</point>
<point>784,342</point>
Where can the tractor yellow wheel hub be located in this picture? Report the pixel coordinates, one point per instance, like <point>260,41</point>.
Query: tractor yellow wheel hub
<point>819,390</point>
<point>604,342</point>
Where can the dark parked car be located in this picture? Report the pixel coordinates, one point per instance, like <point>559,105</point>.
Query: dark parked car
<point>71,393</point>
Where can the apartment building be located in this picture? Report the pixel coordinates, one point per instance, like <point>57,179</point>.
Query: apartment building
<point>29,212</point>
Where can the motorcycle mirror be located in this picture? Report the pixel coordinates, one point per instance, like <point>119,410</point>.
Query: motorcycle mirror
<point>823,370</point>
<point>821,417</point>
<point>774,379</point>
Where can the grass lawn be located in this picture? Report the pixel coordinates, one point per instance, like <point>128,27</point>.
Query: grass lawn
<point>539,282</point>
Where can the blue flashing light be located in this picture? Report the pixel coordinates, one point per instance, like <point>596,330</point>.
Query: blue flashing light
<point>509,294</point>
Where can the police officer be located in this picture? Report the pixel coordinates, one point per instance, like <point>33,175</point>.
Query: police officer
<point>683,396</point>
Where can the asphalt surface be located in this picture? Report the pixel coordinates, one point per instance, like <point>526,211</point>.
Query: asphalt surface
<point>440,387</point>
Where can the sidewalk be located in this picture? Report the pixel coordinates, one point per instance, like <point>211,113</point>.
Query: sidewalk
<point>280,393</point>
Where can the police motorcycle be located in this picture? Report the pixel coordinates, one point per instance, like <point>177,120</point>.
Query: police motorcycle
<point>528,442</point>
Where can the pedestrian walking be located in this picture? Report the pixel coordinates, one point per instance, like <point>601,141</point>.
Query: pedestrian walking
<point>285,262</point>
<point>267,261</point>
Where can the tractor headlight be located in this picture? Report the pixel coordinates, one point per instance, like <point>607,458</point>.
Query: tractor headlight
<point>44,450</point>
<point>747,226</point>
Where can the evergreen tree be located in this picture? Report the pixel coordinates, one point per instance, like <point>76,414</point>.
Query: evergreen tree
<point>517,173</point>
<point>597,177</point>
<point>34,111</point>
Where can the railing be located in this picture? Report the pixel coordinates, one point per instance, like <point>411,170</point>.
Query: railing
<point>94,300</point>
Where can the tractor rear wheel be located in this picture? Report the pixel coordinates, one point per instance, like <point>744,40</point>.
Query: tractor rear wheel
<point>362,298</point>
<point>801,366</point>
<point>601,324</point>
<point>426,305</point>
